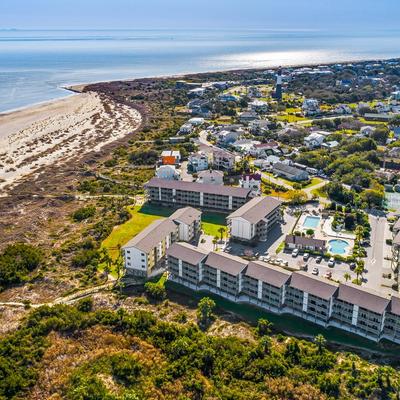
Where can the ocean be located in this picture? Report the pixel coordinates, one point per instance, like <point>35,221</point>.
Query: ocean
<point>35,65</point>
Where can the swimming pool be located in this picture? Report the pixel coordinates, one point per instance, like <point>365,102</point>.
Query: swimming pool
<point>311,222</point>
<point>338,246</point>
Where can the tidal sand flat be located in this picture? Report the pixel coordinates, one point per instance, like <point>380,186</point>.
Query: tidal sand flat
<point>54,132</point>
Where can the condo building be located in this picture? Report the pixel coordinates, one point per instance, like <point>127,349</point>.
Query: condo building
<point>144,254</point>
<point>349,307</point>
<point>201,195</point>
<point>255,219</point>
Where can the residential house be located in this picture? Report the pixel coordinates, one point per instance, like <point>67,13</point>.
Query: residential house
<point>170,157</point>
<point>227,137</point>
<point>212,177</point>
<point>305,243</point>
<point>227,97</point>
<point>248,116</point>
<point>196,121</point>
<point>259,106</point>
<point>245,145</point>
<point>311,107</point>
<point>185,129</point>
<point>260,127</point>
<point>289,172</point>
<point>180,193</point>
<point>188,220</point>
<point>330,145</point>
<point>223,159</point>
<point>264,149</point>
<point>252,182</point>
<point>311,297</point>
<point>255,219</point>
<point>314,140</point>
<point>198,162</point>
<point>391,327</point>
<point>169,172</point>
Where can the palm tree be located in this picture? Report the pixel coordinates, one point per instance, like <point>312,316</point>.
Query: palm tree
<point>320,341</point>
<point>215,241</point>
<point>359,269</point>
<point>347,276</point>
<point>359,232</point>
<point>221,230</point>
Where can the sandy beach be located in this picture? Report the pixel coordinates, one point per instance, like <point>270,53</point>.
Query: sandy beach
<point>53,132</point>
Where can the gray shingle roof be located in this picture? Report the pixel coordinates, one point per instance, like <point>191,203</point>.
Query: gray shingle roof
<point>363,297</point>
<point>267,273</point>
<point>228,263</point>
<point>304,241</point>
<point>256,209</point>
<point>187,215</point>
<point>319,287</point>
<point>149,237</point>
<point>198,187</point>
<point>187,253</point>
<point>287,169</point>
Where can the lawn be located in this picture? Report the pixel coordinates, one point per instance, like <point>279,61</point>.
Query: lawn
<point>314,181</point>
<point>141,217</point>
<point>319,192</point>
<point>211,222</point>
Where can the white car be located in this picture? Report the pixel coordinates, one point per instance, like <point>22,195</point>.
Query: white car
<point>331,262</point>
<point>315,271</point>
<point>295,252</point>
<point>306,256</point>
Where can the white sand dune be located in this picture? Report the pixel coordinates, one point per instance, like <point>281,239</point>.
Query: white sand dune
<point>56,131</point>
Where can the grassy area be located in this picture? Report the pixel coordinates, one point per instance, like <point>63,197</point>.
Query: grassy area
<point>141,217</point>
<point>290,118</point>
<point>279,178</point>
<point>319,192</point>
<point>314,181</point>
<point>211,222</point>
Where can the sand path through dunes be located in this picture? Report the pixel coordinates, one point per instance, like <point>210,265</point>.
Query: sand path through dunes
<point>54,132</point>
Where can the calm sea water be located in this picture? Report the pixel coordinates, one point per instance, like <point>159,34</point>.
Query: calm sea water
<point>34,65</point>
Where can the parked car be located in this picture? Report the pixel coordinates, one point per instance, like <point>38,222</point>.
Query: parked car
<point>315,271</point>
<point>318,259</point>
<point>304,267</point>
<point>331,262</point>
<point>295,252</point>
<point>306,256</point>
<point>328,275</point>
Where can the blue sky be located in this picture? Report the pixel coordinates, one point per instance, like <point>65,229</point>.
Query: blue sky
<point>269,14</point>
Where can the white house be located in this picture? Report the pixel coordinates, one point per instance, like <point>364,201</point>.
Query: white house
<point>186,129</point>
<point>311,107</point>
<point>227,137</point>
<point>252,182</point>
<point>168,172</point>
<point>245,145</point>
<point>196,121</point>
<point>367,130</point>
<point>314,140</point>
<point>212,177</point>
<point>259,106</point>
<point>263,149</point>
<point>254,220</point>
<point>342,109</point>
<point>198,162</point>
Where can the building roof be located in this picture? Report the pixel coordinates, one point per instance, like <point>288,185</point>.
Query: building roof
<point>198,187</point>
<point>256,209</point>
<point>287,168</point>
<point>186,252</point>
<point>210,173</point>
<point>149,237</point>
<point>225,262</point>
<point>304,241</point>
<point>254,177</point>
<point>186,215</point>
<point>316,286</point>
<point>395,305</point>
<point>267,273</point>
<point>363,297</point>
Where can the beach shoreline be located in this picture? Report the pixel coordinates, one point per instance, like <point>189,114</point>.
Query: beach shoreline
<point>56,131</point>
